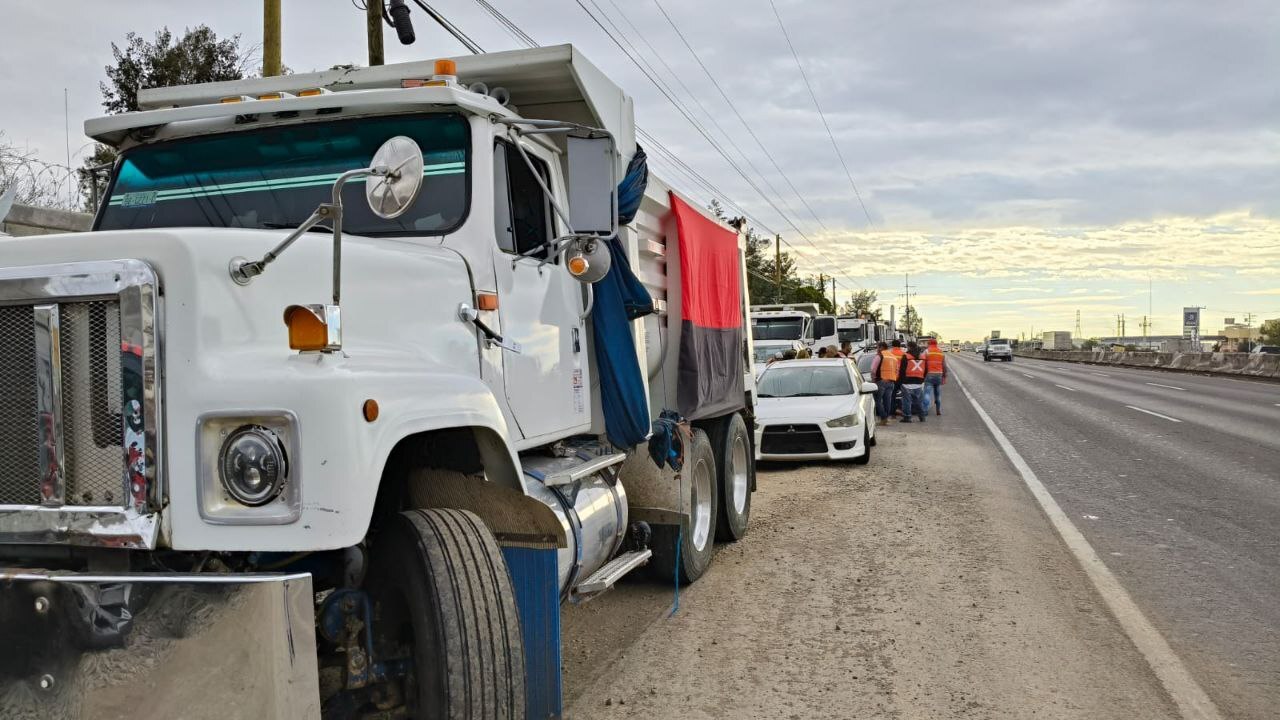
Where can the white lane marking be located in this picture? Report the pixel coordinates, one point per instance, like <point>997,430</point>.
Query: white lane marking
<point>1032,376</point>
<point>1064,387</point>
<point>1166,417</point>
<point>1098,373</point>
<point>1171,387</point>
<point>1182,688</point>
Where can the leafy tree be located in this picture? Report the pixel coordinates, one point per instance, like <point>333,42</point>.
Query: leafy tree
<point>197,57</point>
<point>862,303</point>
<point>1271,332</point>
<point>911,322</point>
<point>1089,344</point>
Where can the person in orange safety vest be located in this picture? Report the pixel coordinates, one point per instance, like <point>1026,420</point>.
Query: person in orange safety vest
<point>935,362</point>
<point>885,370</point>
<point>913,372</point>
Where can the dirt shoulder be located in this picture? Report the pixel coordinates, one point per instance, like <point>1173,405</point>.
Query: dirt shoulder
<point>924,585</point>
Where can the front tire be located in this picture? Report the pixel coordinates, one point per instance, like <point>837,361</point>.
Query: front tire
<point>689,552</point>
<point>865,457</point>
<point>735,467</point>
<point>443,593</point>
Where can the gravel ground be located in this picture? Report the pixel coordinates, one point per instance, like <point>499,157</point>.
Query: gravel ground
<point>924,585</point>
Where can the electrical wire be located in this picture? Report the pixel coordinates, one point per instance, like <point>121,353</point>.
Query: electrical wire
<point>814,97</point>
<point>733,106</point>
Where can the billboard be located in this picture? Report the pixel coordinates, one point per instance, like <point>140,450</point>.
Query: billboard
<point>1190,322</point>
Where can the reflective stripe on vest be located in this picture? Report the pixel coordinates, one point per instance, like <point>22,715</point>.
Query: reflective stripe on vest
<point>935,361</point>
<point>888,366</point>
<point>914,367</point>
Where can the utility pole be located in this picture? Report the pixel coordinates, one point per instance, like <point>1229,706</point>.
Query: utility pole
<point>777,265</point>
<point>271,38</point>
<point>373,27</point>
<point>1079,333</point>
<point>833,294</point>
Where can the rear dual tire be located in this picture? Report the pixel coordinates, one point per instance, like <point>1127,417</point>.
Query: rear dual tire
<point>688,551</point>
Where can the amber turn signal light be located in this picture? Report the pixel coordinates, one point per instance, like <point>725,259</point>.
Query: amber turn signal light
<point>370,410</point>
<point>486,301</point>
<point>307,330</point>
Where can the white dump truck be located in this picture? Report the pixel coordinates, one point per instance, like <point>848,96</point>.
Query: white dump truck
<point>786,322</point>
<point>359,376</point>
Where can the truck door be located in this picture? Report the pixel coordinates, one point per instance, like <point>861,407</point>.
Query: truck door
<point>539,305</point>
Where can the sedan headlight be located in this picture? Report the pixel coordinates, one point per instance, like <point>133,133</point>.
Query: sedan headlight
<point>845,421</point>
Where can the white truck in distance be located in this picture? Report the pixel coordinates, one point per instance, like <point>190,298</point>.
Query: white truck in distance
<point>793,321</point>
<point>377,505</point>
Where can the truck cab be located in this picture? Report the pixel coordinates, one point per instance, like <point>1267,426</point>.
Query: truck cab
<point>373,356</point>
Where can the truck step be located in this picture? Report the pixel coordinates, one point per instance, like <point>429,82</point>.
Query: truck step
<point>570,475</point>
<point>612,572</point>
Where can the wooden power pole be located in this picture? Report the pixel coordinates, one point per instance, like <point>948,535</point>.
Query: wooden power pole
<point>373,26</point>
<point>270,38</point>
<point>777,265</point>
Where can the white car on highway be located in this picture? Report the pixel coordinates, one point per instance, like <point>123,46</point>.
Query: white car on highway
<point>815,409</point>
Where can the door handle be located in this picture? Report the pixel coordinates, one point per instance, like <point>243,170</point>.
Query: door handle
<point>469,314</point>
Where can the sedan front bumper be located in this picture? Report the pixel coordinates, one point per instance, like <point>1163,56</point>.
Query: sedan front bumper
<point>804,440</point>
<point>221,647</point>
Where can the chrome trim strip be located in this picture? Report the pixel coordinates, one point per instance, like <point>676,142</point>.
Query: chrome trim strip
<point>49,404</point>
<point>92,526</point>
<point>194,578</point>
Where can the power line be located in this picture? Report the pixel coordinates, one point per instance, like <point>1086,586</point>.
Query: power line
<point>697,126</point>
<point>733,106</point>
<point>821,114</point>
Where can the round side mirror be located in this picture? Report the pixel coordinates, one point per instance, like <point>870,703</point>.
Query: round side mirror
<point>392,193</point>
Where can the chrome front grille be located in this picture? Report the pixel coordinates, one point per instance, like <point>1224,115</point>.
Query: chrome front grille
<point>19,419</point>
<point>92,402</point>
<point>80,404</point>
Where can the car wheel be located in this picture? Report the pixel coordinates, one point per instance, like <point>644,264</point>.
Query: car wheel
<point>865,457</point>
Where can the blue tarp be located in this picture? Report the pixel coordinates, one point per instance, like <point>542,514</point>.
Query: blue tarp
<point>620,297</point>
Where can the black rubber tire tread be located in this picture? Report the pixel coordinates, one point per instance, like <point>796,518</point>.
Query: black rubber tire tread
<point>865,457</point>
<point>730,525</point>
<point>468,649</point>
<point>665,537</point>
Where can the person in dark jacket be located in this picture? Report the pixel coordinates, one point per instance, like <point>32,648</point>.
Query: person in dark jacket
<point>913,372</point>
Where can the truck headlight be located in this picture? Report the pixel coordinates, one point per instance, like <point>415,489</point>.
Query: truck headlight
<point>252,465</point>
<point>249,467</point>
<point>845,421</point>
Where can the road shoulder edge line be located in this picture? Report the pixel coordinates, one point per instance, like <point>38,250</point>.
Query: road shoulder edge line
<point>1186,693</point>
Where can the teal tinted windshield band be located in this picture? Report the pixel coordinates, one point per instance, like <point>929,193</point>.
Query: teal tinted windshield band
<point>149,197</point>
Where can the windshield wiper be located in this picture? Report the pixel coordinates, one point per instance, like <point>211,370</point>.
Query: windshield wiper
<point>760,395</point>
<point>286,226</point>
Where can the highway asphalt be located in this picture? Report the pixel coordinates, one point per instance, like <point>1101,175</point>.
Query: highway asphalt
<point>1174,479</point>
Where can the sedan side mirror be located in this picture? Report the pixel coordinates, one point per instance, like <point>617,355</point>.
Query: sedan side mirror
<point>869,387</point>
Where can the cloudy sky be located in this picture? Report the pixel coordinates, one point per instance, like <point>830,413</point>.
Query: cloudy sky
<point>1022,160</point>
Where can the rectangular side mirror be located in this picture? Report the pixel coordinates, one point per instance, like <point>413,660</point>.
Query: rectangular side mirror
<point>593,185</point>
<point>869,387</point>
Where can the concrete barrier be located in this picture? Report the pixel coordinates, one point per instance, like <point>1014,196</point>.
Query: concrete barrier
<point>1245,364</point>
<point>30,220</point>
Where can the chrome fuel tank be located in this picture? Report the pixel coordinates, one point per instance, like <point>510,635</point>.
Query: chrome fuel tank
<point>593,512</point>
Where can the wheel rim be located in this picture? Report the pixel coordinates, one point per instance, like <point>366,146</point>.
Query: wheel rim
<point>739,469</point>
<point>701,504</point>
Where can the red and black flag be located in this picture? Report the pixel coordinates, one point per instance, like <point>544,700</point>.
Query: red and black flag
<point>711,367</point>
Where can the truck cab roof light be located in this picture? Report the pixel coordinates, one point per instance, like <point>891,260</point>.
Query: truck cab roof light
<point>313,92</point>
<point>234,99</point>
<point>274,96</point>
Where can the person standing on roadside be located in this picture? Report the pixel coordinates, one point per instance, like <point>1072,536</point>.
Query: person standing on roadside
<point>846,349</point>
<point>884,370</point>
<point>935,367</point>
<point>913,384</point>
<point>898,352</point>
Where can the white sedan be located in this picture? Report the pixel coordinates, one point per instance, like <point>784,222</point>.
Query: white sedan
<point>815,409</point>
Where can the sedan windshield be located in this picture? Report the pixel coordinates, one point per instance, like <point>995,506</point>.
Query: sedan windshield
<point>777,328</point>
<point>274,177</point>
<point>800,381</point>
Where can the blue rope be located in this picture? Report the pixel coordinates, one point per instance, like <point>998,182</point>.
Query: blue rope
<point>675,605</point>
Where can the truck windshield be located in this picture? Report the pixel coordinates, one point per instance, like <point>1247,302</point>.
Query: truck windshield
<point>777,328</point>
<point>850,334</point>
<point>274,177</point>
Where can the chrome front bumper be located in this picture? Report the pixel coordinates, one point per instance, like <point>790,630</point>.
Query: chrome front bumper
<point>138,646</point>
